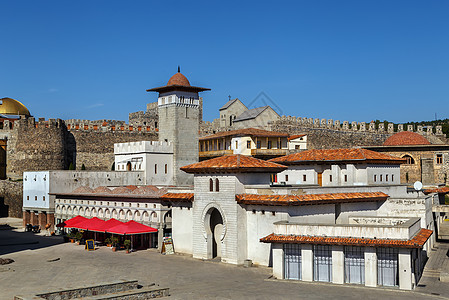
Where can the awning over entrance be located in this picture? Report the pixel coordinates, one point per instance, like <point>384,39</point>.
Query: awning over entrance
<point>71,223</point>
<point>131,227</point>
<point>110,226</point>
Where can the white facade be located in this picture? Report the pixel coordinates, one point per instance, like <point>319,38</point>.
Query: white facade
<point>38,185</point>
<point>153,158</point>
<point>341,175</point>
<point>299,143</point>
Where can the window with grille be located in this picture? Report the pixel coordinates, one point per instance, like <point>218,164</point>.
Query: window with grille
<point>322,263</point>
<point>354,265</point>
<point>439,158</point>
<point>387,267</point>
<point>292,261</point>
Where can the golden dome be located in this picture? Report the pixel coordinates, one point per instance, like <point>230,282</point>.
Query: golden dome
<point>10,106</point>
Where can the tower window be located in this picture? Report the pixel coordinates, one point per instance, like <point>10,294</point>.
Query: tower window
<point>330,178</point>
<point>410,160</point>
<point>386,177</point>
<point>236,144</point>
<point>217,185</point>
<point>166,168</point>
<point>155,168</point>
<point>211,185</point>
<point>304,177</point>
<point>375,178</point>
<point>346,178</point>
<point>286,178</point>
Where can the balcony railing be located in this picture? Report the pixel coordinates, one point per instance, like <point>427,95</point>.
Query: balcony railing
<point>215,153</point>
<point>269,152</point>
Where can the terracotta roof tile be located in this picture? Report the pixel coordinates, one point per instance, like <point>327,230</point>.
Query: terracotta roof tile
<point>443,190</point>
<point>338,155</point>
<point>245,132</point>
<point>310,199</point>
<point>405,138</point>
<point>178,196</point>
<point>83,190</point>
<point>234,163</point>
<point>121,190</point>
<point>292,137</point>
<point>417,241</point>
<point>102,190</point>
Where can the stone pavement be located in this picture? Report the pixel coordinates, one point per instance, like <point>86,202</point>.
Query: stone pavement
<point>36,270</point>
<point>429,282</point>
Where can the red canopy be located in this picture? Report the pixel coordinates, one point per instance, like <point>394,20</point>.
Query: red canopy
<point>107,224</point>
<point>71,222</point>
<point>90,224</point>
<point>131,227</point>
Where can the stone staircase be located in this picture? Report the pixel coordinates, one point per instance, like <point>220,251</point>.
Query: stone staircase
<point>128,290</point>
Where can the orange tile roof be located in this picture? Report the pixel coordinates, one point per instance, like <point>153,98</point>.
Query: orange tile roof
<point>338,155</point>
<point>417,241</point>
<point>292,137</point>
<point>245,132</point>
<point>406,138</point>
<point>235,164</point>
<point>311,199</point>
<point>178,196</point>
<point>443,190</point>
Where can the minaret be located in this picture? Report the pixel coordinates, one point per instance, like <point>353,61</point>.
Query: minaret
<point>178,110</point>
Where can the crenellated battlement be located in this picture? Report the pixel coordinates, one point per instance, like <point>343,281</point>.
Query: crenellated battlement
<point>372,127</point>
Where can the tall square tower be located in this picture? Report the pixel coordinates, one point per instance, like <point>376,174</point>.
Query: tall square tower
<point>179,113</point>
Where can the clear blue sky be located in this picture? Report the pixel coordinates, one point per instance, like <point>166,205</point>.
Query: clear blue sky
<point>346,60</point>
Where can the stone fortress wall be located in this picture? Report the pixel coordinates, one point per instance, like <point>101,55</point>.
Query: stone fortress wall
<point>323,133</point>
<point>54,144</point>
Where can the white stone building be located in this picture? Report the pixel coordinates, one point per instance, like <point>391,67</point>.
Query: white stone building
<point>238,214</point>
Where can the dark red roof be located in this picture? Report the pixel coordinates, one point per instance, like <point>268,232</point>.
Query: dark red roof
<point>312,199</point>
<point>245,132</point>
<point>292,137</point>
<point>406,138</point>
<point>354,155</point>
<point>233,164</point>
<point>417,241</point>
<point>179,79</point>
<point>178,82</point>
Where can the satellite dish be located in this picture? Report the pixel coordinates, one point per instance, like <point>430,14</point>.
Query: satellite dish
<point>417,185</point>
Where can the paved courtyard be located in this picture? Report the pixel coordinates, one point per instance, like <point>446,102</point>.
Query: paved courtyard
<point>36,270</point>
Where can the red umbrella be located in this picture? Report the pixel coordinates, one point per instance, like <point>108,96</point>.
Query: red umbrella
<point>71,222</point>
<point>131,227</point>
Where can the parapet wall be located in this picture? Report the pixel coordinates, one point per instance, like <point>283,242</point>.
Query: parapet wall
<point>143,146</point>
<point>390,128</point>
<point>51,145</point>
